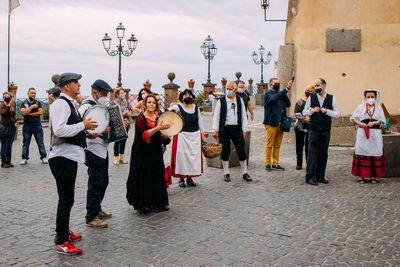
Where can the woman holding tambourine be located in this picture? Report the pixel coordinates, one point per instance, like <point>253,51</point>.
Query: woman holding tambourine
<point>146,190</point>
<point>187,158</point>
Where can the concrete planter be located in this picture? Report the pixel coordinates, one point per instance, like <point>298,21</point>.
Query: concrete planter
<point>391,145</point>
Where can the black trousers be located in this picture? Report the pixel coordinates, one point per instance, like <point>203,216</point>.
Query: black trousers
<point>97,184</point>
<point>64,171</point>
<point>301,141</point>
<point>317,154</point>
<point>234,133</point>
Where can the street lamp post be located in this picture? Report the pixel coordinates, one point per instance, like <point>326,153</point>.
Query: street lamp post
<point>132,43</point>
<point>209,50</point>
<point>262,61</point>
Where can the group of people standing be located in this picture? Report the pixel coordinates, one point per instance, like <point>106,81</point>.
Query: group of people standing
<point>150,174</point>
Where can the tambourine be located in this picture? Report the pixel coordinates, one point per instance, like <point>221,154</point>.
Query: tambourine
<point>174,120</point>
<point>99,114</point>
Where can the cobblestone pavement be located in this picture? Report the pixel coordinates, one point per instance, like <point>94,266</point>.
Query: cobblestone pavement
<point>275,220</point>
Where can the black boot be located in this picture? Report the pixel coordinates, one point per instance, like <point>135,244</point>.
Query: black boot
<point>4,163</point>
<point>9,161</point>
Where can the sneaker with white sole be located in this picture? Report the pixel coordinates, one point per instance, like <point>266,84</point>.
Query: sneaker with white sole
<point>67,248</point>
<point>45,161</point>
<point>23,162</point>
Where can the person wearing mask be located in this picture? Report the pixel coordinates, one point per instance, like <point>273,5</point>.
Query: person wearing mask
<point>7,112</point>
<point>321,108</point>
<point>146,190</point>
<point>187,158</point>
<point>142,94</point>
<point>368,158</point>
<point>68,140</point>
<point>119,146</point>
<point>275,103</point>
<point>242,92</point>
<point>301,126</point>
<point>230,123</point>
<point>31,109</point>
<point>96,160</point>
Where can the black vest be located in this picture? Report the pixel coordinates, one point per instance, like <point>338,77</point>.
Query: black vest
<point>74,118</point>
<point>319,121</point>
<point>222,114</point>
<point>191,121</point>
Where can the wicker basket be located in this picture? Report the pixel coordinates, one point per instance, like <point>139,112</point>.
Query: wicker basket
<point>212,150</point>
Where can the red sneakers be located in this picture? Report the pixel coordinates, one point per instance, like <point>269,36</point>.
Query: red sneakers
<point>68,249</point>
<point>74,237</point>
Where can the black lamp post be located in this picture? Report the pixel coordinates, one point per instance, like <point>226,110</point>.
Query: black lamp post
<point>263,61</point>
<point>209,50</point>
<point>132,43</point>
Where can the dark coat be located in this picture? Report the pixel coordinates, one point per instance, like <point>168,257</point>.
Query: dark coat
<point>274,105</point>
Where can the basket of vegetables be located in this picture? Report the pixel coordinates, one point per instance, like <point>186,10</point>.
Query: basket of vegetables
<point>212,150</point>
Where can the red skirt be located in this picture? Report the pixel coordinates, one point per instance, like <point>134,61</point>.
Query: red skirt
<point>167,176</point>
<point>368,167</point>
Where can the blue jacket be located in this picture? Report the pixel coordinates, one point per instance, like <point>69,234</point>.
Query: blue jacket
<point>274,105</point>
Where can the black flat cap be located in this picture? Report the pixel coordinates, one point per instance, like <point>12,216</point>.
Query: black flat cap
<point>101,85</point>
<point>68,77</point>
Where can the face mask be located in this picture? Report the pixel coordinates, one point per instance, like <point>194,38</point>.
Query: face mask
<point>276,86</point>
<point>371,101</point>
<point>307,94</point>
<point>122,96</point>
<point>143,96</point>
<point>31,99</point>
<point>102,100</point>
<point>229,93</point>
<point>7,100</point>
<point>240,90</point>
<point>318,90</point>
<point>188,100</point>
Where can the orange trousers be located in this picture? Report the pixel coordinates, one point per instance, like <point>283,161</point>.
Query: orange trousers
<point>273,145</point>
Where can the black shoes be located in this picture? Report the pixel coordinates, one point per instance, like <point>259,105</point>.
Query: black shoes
<point>190,182</point>
<point>268,168</point>
<point>227,177</point>
<point>247,177</point>
<point>144,211</point>
<point>322,180</point>
<point>182,182</point>
<point>278,168</point>
<point>311,181</point>
<point>298,167</point>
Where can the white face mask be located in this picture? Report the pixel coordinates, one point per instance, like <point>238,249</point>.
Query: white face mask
<point>102,100</point>
<point>122,96</point>
<point>371,101</point>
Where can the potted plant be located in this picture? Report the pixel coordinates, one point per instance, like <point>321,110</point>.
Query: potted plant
<point>224,81</point>
<point>147,84</point>
<point>12,88</point>
<point>191,83</point>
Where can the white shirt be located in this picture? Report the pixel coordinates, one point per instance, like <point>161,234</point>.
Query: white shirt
<point>332,113</point>
<point>231,114</point>
<point>97,146</point>
<point>59,114</point>
<point>190,111</point>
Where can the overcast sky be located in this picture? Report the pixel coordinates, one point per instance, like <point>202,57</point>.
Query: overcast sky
<point>49,37</point>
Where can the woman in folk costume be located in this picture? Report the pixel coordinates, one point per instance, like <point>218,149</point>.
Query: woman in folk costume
<point>187,158</point>
<point>369,159</point>
<point>146,190</point>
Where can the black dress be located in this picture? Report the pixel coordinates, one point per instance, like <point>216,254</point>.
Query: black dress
<point>146,189</point>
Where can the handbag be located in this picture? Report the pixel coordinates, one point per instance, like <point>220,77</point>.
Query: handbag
<point>5,131</point>
<point>286,122</point>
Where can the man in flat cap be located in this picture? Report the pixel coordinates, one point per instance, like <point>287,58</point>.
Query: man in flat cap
<point>68,140</point>
<point>96,160</point>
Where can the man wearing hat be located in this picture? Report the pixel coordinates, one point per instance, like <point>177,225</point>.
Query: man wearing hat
<point>68,141</point>
<point>96,160</point>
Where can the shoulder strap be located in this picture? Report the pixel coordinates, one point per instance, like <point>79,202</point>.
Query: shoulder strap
<point>89,101</point>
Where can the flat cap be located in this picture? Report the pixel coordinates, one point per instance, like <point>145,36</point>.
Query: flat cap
<point>101,85</point>
<point>68,77</point>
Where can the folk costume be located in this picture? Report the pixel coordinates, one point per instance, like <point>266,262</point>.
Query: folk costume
<point>68,141</point>
<point>230,121</point>
<point>97,162</point>
<point>369,158</point>
<point>319,135</point>
<point>187,158</point>
<point>146,189</point>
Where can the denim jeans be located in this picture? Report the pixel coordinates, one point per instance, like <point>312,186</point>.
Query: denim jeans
<point>27,132</point>
<point>6,143</point>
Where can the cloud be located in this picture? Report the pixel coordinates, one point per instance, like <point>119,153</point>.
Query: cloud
<point>53,37</point>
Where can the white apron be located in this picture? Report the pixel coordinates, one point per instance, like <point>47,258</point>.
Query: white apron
<point>188,154</point>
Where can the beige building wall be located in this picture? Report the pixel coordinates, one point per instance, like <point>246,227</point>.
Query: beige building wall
<point>377,65</point>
